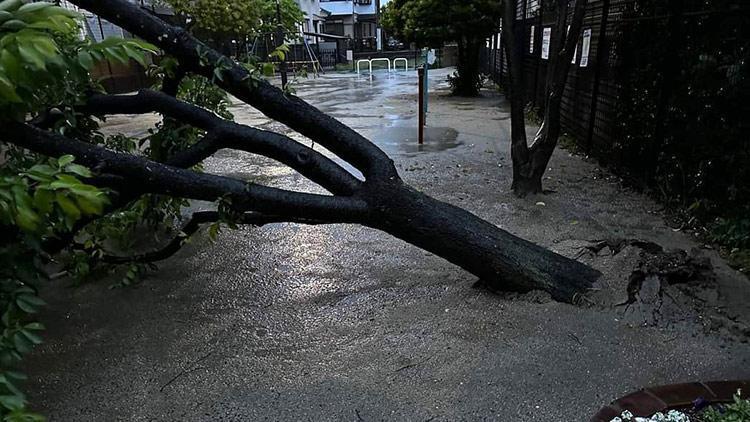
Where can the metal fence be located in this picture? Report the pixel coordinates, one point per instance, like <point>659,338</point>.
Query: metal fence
<point>595,82</point>
<point>587,105</point>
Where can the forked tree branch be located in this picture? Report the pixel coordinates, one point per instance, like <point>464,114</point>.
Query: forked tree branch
<point>140,175</point>
<point>226,134</point>
<point>546,138</point>
<point>197,57</point>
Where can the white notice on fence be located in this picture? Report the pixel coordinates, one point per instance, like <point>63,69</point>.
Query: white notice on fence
<point>575,51</point>
<point>546,35</point>
<point>431,57</point>
<point>531,40</point>
<point>585,47</point>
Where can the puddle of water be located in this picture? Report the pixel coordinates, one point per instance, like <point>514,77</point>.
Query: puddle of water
<point>404,139</point>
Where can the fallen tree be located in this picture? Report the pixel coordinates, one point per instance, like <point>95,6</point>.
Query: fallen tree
<point>380,199</point>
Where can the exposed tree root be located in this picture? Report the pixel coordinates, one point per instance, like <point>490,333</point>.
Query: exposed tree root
<point>667,267</point>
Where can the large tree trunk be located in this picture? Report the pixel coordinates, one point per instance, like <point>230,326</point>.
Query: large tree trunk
<point>381,201</point>
<point>467,84</point>
<point>483,249</point>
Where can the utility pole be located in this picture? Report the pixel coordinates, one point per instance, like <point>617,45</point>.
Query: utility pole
<point>280,36</point>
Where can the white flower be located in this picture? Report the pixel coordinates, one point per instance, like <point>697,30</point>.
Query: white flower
<point>671,416</point>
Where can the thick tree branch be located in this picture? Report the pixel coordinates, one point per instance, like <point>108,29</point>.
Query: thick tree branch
<point>196,57</point>
<point>145,176</point>
<point>226,134</point>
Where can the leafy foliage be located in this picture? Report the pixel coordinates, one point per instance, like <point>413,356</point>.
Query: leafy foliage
<point>42,59</point>
<point>737,411</point>
<point>684,106</point>
<point>220,20</point>
<point>36,203</point>
<point>435,22</point>
<point>44,71</point>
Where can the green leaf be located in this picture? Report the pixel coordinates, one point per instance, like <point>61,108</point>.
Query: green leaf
<point>268,69</point>
<point>213,231</point>
<point>218,73</point>
<point>85,59</point>
<point>35,326</point>
<point>118,54</point>
<point>10,64</point>
<point>12,402</point>
<point>33,7</point>
<point>68,206</point>
<point>19,376</point>
<point>43,200</point>
<point>13,25</point>
<point>27,219</point>
<point>8,91</point>
<point>29,303</point>
<point>32,56</point>
<point>7,382</point>
<point>33,338</point>
<point>135,54</point>
<point>6,319</point>
<point>22,344</point>
<point>79,170</point>
<point>10,5</point>
<point>87,206</point>
<point>65,160</point>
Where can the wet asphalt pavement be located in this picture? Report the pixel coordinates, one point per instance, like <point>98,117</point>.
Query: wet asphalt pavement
<point>344,323</point>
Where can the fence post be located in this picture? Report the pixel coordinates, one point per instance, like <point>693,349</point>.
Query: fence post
<point>493,63</point>
<point>499,79</point>
<point>420,72</point>
<point>601,60</point>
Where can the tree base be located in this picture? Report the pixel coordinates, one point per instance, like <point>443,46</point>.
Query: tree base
<point>523,186</point>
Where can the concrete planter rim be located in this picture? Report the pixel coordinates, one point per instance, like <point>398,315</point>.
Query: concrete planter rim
<point>647,401</point>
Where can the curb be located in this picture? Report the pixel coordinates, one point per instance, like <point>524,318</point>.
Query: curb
<point>650,400</point>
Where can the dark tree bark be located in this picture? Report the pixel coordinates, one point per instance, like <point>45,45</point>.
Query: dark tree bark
<point>530,162</point>
<point>467,83</point>
<point>381,201</point>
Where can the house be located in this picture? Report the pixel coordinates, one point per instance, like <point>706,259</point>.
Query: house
<point>314,16</point>
<point>355,19</point>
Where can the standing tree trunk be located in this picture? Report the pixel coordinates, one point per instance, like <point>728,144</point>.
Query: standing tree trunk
<point>467,83</point>
<point>380,201</point>
<point>530,162</point>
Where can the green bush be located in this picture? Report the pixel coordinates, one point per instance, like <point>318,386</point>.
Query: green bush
<point>44,71</point>
<point>683,108</point>
<point>737,411</point>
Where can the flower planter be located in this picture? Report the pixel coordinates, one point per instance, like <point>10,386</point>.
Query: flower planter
<point>650,400</point>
